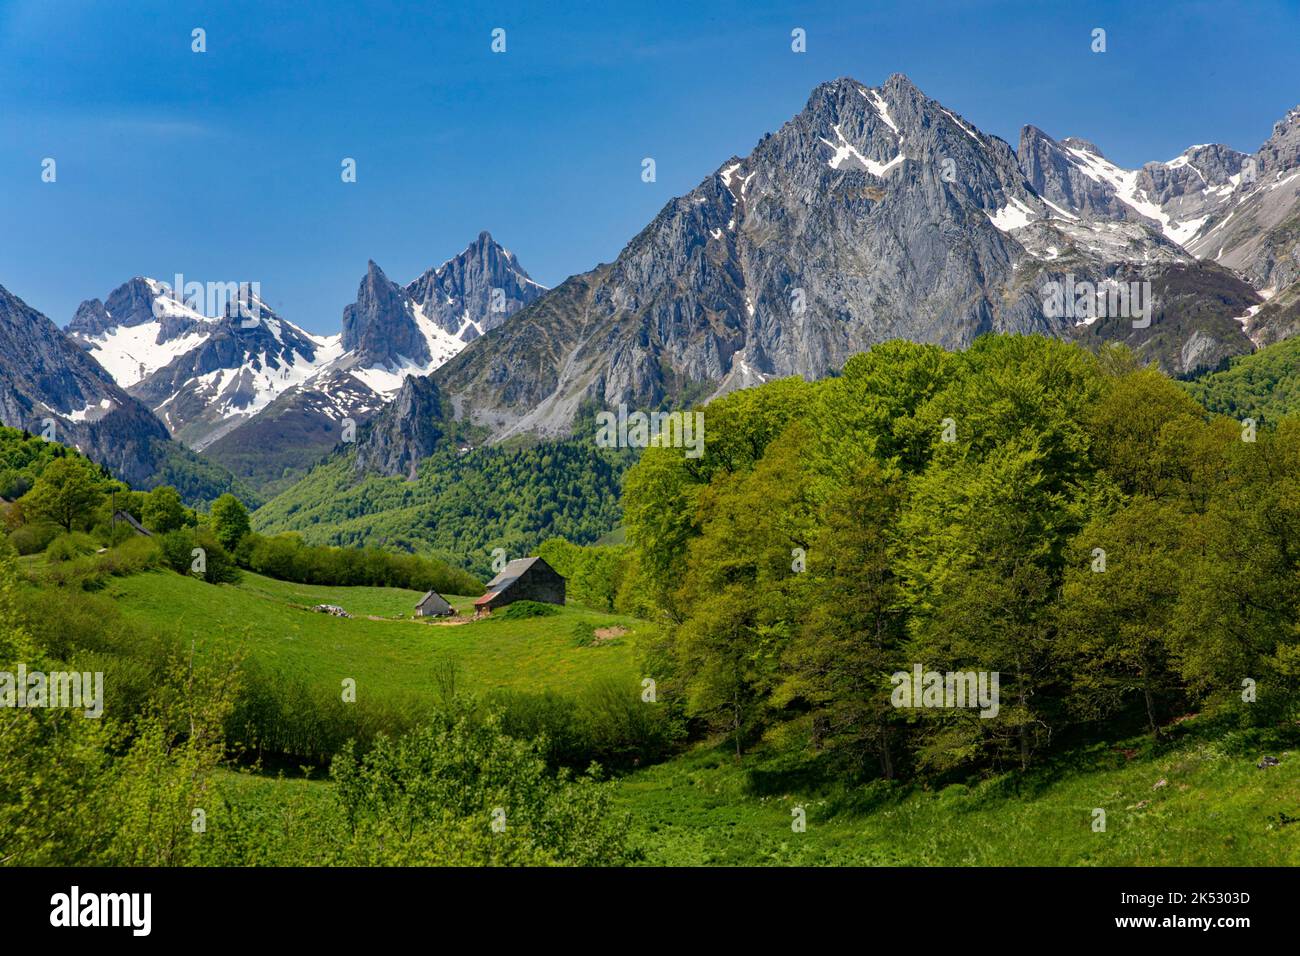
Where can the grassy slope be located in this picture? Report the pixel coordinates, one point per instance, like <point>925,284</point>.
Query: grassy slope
<point>1215,808</point>
<point>390,655</point>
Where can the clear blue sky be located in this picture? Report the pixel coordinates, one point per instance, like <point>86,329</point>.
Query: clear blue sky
<point>225,166</point>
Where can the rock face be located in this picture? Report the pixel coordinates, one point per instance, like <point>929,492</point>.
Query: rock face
<point>875,213</point>
<point>426,322</point>
<point>266,398</point>
<point>380,327</point>
<point>1235,209</point>
<point>399,441</point>
<point>1256,229</point>
<point>1056,172</point>
<point>248,357</point>
<point>138,330</point>
<point>49,385</point>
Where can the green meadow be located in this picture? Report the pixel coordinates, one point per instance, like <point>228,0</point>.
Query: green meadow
<point>383,647</point>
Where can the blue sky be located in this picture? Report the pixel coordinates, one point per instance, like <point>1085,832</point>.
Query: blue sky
<point>224,166</point>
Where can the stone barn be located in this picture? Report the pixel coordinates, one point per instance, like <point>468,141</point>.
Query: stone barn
<point>433,604</point>
<point>524,579</point>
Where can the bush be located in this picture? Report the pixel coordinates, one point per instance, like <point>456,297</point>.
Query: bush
<point>197,551</point>
<point>606,722</point>
<point>68,546</point>
<point>32,538</point>
<point>594,574</point>
<point>279,715</point>
<point>526,609</point>
<point>429,798</point>
<point>90,572</point>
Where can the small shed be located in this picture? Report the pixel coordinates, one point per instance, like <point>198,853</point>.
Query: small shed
<point>433,604</point>
<point>524,579</point>
<point>125,517</point>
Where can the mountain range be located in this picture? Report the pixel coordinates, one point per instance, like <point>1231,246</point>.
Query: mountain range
<point>878,213</point>
<point>875,213</point>
<point>264,397</point>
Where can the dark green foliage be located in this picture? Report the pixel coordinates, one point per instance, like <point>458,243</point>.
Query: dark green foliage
<point>66,494</point>
<point>461,791</point>
<point>525,609</point>
<point>22,459</point>
<point>163,510</point>
<point>287,558</point>
<point>198,479</point>
<point>1264,385</point>
<point>593,575</point>
<point>32,538</point>
<point>607,722</point>
<point>229,520</point>
<point>197,551</point>
<point>70,545</point>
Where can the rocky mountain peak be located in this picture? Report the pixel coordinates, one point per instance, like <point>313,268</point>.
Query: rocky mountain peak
<point>379,327</point>
<point>1074,142</point>
<point>475,291</point>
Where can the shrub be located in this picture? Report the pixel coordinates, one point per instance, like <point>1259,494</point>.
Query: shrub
<point>606,722</point>
<point>197,551</point>
<point>70,545</point>
<point>525,609</point>
<point>431,797</point>
<point>286,558</point>
<point>33,538</point>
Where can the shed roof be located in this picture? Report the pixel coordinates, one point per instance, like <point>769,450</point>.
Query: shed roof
<point>127,517</point>
<point>430,594</point>
<point>511,573</point>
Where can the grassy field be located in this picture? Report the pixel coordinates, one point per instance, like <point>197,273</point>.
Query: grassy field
<point>1201,802</point>
<point>382,647</point>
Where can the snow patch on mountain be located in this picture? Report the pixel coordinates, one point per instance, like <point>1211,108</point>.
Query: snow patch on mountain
<point>134,353</point>
<point>1013,215</point>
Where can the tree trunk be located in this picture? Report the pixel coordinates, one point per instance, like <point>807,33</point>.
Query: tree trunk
<point>1151,711</point>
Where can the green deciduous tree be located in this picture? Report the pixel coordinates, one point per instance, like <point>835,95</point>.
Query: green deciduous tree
<point>67,493</point>
<point>163,510</point>
<point>229,520</point>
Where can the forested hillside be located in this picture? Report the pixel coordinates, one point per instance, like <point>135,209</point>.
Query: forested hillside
<point>461,506</point>
<point>1264,385</point>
